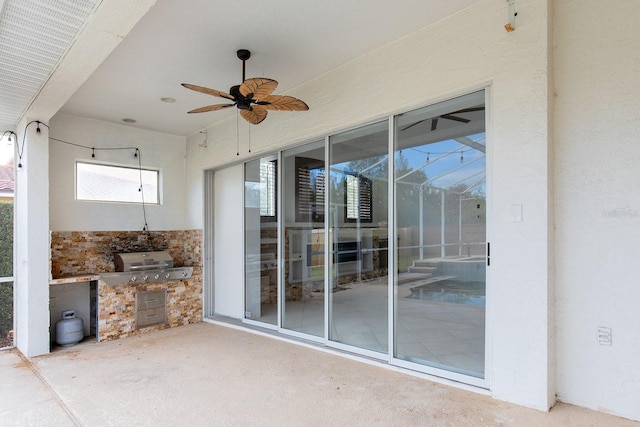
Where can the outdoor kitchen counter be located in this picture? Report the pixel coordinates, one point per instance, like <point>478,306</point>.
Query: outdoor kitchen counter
<point>118,307</point>
<point>81,278</point>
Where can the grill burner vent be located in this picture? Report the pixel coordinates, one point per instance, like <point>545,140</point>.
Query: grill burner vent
<point>144,267</point>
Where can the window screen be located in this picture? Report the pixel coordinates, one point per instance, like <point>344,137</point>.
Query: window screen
<point>104,183</point>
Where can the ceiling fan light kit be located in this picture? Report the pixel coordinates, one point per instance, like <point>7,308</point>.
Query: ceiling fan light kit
<point>252,97</point>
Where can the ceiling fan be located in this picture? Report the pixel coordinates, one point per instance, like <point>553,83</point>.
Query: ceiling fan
<point>448,116</point>
<point>253,97</point>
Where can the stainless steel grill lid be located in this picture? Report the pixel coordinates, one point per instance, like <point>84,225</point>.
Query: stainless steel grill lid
<point>144,267</point>
<point>139,261</point>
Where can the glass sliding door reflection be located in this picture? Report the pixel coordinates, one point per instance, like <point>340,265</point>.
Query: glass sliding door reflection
<point>261,240</point>
<point>440,205</point>
<point>358,215</point>
<point>304,192</point>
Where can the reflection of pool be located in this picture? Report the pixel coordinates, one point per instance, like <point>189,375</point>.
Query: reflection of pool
<point>471,293</point>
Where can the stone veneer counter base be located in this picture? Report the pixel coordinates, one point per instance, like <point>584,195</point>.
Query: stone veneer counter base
<point>77,255</point>
<point>117,306</point>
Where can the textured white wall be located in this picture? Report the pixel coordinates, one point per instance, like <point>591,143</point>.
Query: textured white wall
<point>159,151</point>
<point>465,52</point>
<point>597,134</point>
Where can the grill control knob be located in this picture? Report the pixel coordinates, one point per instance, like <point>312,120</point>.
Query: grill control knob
<point>168,275</point>
<point>144,278</point>
<point>184,274</point>
<point>133,279</point>
<point>156,277</point>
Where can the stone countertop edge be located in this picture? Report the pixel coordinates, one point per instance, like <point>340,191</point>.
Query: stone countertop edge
<point>87,277</point>
<point>75,279</point>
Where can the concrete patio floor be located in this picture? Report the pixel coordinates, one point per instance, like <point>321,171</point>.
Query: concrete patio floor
<point>213,375</point>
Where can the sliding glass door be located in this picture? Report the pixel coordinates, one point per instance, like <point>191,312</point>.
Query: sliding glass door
<point>261,240</point>
<point>318,236</point>
<point>440,205</point>
<point>358,238</point>
<point>303,194</point>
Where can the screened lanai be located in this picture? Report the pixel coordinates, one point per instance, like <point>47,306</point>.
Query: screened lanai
<point>442,218</point>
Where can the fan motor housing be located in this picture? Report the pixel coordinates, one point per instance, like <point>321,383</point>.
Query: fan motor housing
<point>242,102</point>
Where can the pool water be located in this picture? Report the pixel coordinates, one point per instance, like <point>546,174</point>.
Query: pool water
<point>450,291</point>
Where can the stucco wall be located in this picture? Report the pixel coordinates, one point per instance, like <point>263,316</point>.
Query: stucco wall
<point>159,151</point>
<point>465,52</point>
<point>31,272</point>
<point>597,130</point>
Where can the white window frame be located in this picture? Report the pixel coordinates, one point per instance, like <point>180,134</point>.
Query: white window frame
<point>150,197</point>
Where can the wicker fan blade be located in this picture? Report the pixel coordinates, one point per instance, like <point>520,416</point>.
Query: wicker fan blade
<point>254,116</point>
<point>412,125</point>
<point>468,110</point>
<point>214,107</point>
<point>208,91</point>
<point>457,119</point>
<point>283,103</point>
<point>260,87</point>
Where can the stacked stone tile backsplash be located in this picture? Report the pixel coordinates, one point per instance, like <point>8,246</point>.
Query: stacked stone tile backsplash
<point>80,252</point>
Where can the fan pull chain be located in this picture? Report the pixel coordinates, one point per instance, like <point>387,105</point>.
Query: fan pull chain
<point>462,157</point>
<point>249,138</point>
<point>237,135</point>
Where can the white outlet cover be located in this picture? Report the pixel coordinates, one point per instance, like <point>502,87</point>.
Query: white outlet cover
<point>604,336</point>
<point>516,213</point>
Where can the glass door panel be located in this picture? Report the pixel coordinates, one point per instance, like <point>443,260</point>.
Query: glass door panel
<point>440,205</point>
<point>261,240</point>
<point>303,195</point>
<point>358,215</point>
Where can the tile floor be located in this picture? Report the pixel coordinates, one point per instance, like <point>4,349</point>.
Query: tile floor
<point>439,334</point>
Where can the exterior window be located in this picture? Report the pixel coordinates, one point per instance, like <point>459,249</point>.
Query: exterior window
<point>358,199</point>
<point>103,183</point>
<point>310,190</point>
<point>268,188</point>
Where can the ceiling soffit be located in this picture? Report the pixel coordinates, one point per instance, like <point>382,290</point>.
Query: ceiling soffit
<point>34,38</point>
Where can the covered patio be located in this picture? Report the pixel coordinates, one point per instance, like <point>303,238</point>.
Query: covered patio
<point>216,374</point>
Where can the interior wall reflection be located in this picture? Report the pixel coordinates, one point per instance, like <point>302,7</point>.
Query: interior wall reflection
<point>261,240</point>
<point>304,192</point>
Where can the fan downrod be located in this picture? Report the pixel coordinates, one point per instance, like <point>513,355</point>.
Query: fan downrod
<point>243,54</point>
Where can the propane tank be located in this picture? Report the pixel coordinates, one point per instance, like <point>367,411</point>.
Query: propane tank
<point>69,329</point>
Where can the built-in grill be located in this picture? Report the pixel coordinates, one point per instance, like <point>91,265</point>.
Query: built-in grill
<point>144,267</point>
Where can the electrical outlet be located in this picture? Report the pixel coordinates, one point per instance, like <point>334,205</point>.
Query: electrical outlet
<point>604,335</point>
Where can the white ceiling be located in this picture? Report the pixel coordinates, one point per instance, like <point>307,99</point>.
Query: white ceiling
<point>195,41</point>
<point>34,37</point>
